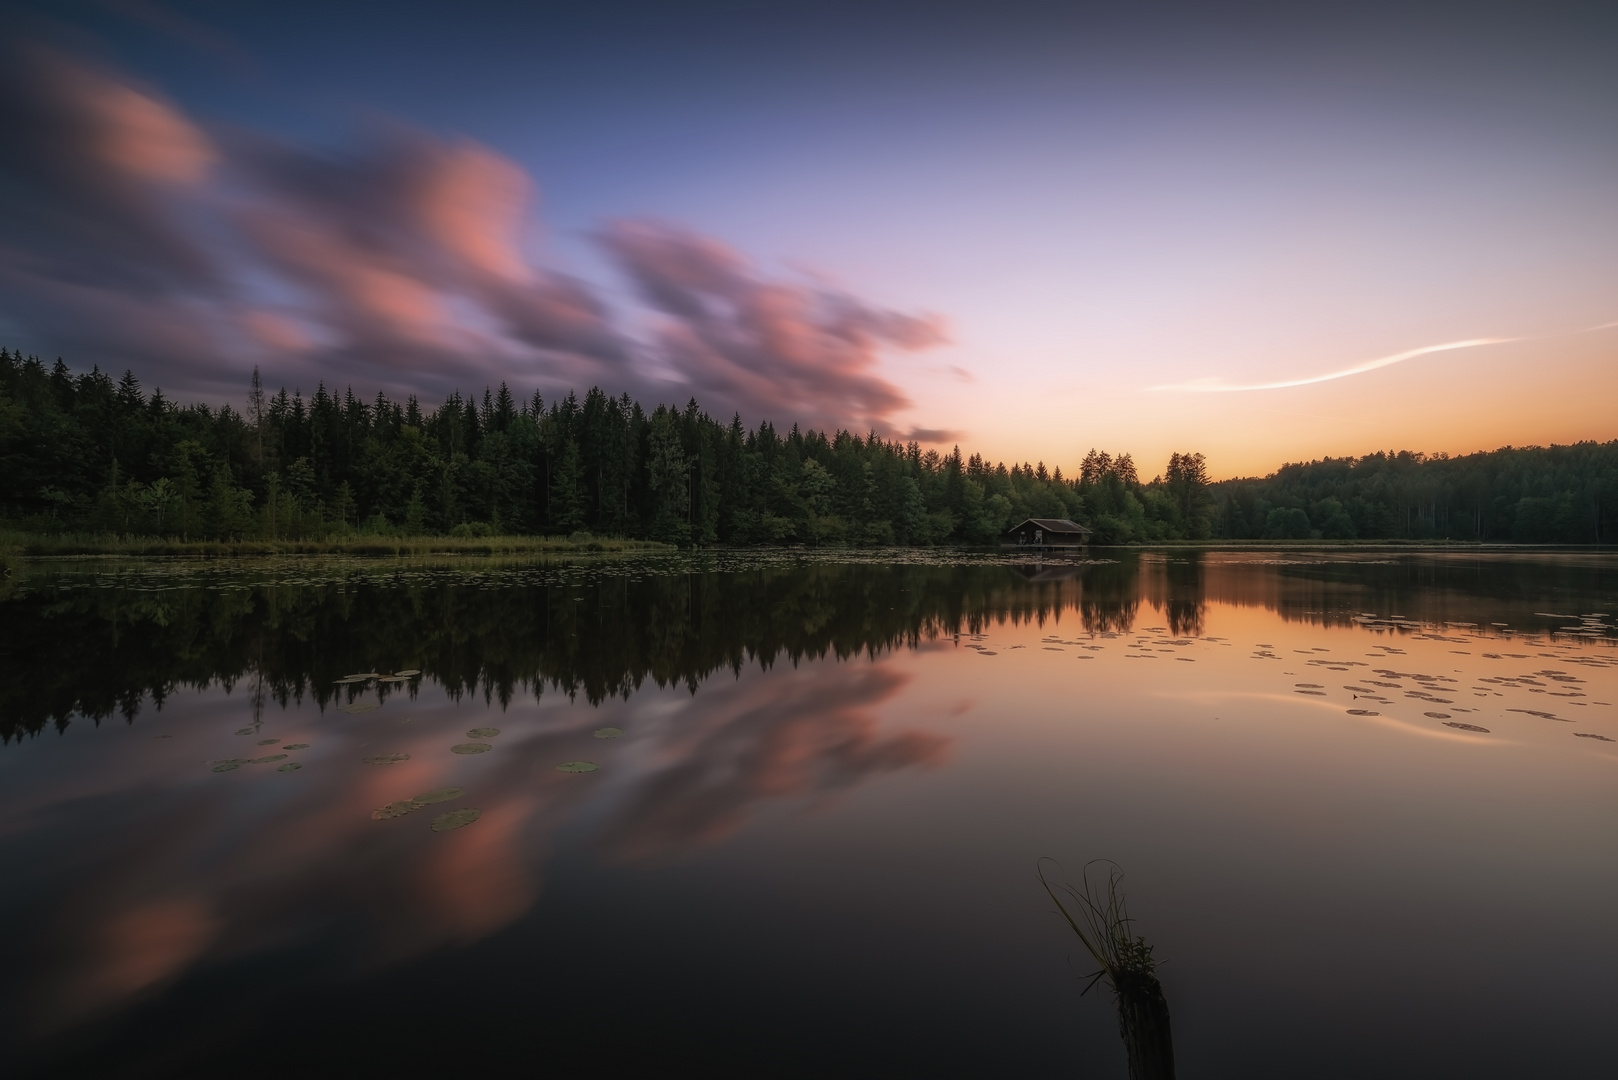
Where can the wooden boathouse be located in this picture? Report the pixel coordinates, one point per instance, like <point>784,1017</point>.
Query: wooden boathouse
<point>1046,533</point>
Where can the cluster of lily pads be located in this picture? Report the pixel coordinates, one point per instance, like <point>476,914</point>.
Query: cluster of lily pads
<point>590,766</point>
<point>445,822</point>
<point>353,708</point>
<point>452,819</point>
<point>231,764</point>
<point>366,676</point>
<point>455,819</point>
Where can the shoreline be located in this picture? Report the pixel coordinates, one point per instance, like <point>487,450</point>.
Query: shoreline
<point>34,546</point>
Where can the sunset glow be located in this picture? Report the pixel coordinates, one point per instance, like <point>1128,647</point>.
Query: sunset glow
<point>1029,233</point>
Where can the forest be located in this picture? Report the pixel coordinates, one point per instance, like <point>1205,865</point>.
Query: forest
<point>84,453</point>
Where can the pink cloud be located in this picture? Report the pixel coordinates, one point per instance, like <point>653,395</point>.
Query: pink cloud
<point>475,203</point>
<point>770,350</point>
<point>111,125</point>
<point>407,262</point>
<point>409,253</point>
<point>92,164</point>
<point>276,331</point>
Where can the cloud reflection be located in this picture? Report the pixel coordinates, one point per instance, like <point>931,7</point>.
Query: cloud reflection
<point>220,875</point>
<point>794,735</point>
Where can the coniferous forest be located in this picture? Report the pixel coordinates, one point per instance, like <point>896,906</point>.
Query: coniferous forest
<point>89,454</point>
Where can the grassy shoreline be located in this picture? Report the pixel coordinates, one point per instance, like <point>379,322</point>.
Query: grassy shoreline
<point>17,545</point>
<point>39,546</point>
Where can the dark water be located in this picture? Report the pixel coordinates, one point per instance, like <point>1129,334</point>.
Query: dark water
<point>1365,806</point>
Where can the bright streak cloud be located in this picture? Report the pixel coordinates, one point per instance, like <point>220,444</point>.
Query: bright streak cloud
<point>1216,385</point>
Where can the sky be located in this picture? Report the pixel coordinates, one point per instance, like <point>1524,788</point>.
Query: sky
<point>1265,233</point>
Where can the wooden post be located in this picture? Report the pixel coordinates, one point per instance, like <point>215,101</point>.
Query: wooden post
<point>1143,1022</point>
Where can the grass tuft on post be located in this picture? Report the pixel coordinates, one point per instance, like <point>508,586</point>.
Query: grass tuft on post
<point>1098,913</point>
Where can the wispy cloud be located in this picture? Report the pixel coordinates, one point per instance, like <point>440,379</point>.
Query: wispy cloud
<point>742,341</point>
<point>1216,385</point>
<point>134,236</point>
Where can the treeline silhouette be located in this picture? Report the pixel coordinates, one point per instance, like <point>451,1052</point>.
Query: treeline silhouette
<point>83,452</point>
<point>1533,494</point>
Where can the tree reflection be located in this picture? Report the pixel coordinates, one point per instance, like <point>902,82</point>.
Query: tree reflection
<point>104,652</point>
<point>70,651</point>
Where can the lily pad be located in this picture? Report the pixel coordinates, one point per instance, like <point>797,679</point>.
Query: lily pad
<point>483,733</point>
<point>455,819</point>
<point>359,707</point>
<point>296,746</point>
<point>1437,715</point>
<point>268,742</point>
<point>577,766</point>
<point>471,748</point>
<point>386,759</point>
<point>1465,727</point>
<point>1590,735</point>
<point>244,731</point>
<point>608,732</point>
<point>231,763</point>
<point>291,766</point>
<point>269,758</point>
<point>1363,712</point>
<point>406,806</point>
<point>408,672</point>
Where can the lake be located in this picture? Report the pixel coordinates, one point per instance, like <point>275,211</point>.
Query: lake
<point>778,814</point>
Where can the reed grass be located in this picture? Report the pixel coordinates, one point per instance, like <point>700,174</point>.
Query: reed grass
<point>1098,914</point>
<point>40,545</point>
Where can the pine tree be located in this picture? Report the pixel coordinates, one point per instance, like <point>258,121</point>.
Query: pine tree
<point>567,490</point>
<point>255,414</point>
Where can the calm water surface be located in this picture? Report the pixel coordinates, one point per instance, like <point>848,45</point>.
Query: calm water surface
<point>1365,806</point>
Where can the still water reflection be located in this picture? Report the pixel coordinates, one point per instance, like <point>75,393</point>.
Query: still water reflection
<point>1365,803</point>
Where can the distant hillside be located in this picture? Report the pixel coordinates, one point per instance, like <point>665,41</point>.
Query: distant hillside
<point>1536,495</point>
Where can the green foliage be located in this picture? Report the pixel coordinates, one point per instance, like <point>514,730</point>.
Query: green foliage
<point>1535,495</point>
<point>1286,523</point>
<point>85,454</point>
